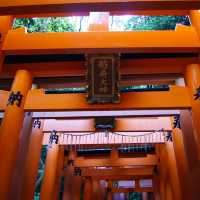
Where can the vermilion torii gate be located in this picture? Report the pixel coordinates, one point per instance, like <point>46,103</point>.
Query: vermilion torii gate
<point>177,173</point>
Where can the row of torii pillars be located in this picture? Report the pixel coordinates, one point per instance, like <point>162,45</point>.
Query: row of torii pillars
<point>15,115</point>
<point>9,142</point>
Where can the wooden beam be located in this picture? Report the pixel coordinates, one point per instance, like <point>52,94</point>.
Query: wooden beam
<point>132,12</point>
<point>3,99</point>
<point>52,6</point>
<point>115,173</point>
<point>150,160</point>
<point>127,190</point>
<point>142,66</point>
<point>89,114</point>
<point>184,39</point>
<point>37,100</point>
<point>121,124</point>
<point>176,98</point>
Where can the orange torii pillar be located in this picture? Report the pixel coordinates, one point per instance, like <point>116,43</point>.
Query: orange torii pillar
<point>72,186</point>
<point>195,20</point>
<point>17,179</point>
<point>32,161</point>
<point>59,172</point>
<point>5,25</point>
<point>182,162</point>
<point>144,195</point>
<point>99,21</point>
<point>193,180</point>
<point>109,192</point>
<point>87,193</point>
<point>97,193</point>
<point>48,183</point>
<point>192,78</point>
<point>169,179</point>
<point>10,129</point>
<point>156,184</point>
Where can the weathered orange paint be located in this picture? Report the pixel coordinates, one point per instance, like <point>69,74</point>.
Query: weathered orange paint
<point>192,78</point>
<point>184,39</point>
<point>10,130</point>
<point>32,163</point>
<point>48,183</point>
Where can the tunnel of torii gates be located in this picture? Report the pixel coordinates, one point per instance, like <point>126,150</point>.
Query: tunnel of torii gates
<point>154,144</point>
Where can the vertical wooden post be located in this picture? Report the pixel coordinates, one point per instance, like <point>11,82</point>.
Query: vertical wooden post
<point>59,172</point>
<point>193,179</point>
<point>168,191</point>
<point>114,155</point>
<point>144,196</point>
<point>99,21</point>
<point>96,189</point>
<point>110,195</point>
<point>192,78</point>
<point>87,195</point>
<point>48,182</point>
<point>195,20</point>
<point>156,186</point>
<point>5,25</point>
<point>67,194</point>
<point>72,186</point>
<point>17,180</point>
<point>32,162</point>
<point>182,162</point>
<point>173,171</point>
<point>168,172</point>
<point>10,130</point>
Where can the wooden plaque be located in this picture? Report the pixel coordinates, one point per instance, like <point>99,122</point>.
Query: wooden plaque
<point>103,78</point>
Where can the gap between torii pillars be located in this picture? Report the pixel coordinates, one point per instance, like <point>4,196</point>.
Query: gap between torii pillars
<point>32,162</point>
<point>10,131</point>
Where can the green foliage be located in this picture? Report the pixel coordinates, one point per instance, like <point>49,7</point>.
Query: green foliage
<point>135,196</point>
<point>155,22</point>
<point>40,171</point>
<point>50,24</point>
<point>63,24</point>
